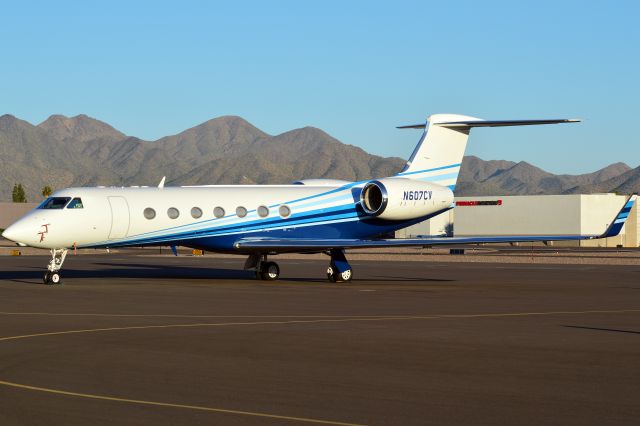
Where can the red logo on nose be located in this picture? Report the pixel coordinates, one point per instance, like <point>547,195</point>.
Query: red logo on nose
<point>43,231</point>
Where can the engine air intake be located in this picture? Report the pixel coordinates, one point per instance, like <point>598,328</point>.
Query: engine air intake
<point>374,198</point>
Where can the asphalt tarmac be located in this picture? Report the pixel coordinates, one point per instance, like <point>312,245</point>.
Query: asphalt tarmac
<point>147,340</point>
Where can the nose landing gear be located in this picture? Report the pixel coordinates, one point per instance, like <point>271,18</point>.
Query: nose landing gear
<point>52,276</point>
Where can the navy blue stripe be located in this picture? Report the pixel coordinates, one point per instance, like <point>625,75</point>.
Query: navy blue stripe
<point>271,223</point>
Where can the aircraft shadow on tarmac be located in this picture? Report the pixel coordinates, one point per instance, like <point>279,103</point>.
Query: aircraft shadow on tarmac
<point>33,275</point>
<point>131,271</point>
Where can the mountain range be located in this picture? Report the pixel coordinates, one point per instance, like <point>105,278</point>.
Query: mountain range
<point>82,151</point>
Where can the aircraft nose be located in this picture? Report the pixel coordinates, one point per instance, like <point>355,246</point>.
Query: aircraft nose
<point>14,233</point>
<point>9,233</point>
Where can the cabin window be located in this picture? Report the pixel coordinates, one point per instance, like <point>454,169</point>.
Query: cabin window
<point>76,203</point>
<point>241,211</point>
<point>218,212</point>
<point>284,211</point>
<point>54,203</point>
<point>263,211</point>
<point>196,213</point>
<point>149,213</point>
<point>173,213</point>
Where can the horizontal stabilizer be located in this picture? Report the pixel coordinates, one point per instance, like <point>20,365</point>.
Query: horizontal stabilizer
<point>491,123</point>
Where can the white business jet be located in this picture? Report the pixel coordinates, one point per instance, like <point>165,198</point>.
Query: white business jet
<point>308,216</point>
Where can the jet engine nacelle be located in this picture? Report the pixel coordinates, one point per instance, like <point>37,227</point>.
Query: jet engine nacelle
<point>402,199</point>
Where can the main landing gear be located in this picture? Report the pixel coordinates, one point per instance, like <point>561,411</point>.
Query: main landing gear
<point>52,276</point>
<point>339,270</point>
<point>266,271</point>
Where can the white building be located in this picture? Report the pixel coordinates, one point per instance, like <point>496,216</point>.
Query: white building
<point>534,215</point>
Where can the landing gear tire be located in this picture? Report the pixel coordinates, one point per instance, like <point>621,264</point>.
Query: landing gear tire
<point>55,278</point>
<point>336,277</point>
<point>52,275</point>
<point>270,271</point>
<point>52,278</point>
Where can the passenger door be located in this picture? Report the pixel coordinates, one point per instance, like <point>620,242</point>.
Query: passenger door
<point>119,217</point>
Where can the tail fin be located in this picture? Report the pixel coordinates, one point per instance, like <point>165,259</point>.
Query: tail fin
<point>438,155</point>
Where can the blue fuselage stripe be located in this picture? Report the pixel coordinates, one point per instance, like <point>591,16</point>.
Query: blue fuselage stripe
<point>331,213</point>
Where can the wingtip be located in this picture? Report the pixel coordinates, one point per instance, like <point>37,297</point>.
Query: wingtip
<point>621,218</point>
<point>412,126</point>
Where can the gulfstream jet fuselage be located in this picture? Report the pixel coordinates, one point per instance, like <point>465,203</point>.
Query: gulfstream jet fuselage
<point>315,215</point>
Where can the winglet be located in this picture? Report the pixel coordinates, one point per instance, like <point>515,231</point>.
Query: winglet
<point>620,219</point>
<point>161,184</point>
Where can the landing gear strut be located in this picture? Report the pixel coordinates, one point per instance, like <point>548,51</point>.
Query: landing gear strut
<point>339,269</point>
<point>52,276</point>
<point>266,271</point>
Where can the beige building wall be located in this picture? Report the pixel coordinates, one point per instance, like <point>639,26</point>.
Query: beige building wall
<point>519,215</point>
<point>10,212</point>
<point>438,225</point>
<point>632,234</point>
<point>597,211</point>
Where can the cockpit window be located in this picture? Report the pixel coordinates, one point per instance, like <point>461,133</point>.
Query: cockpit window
<point>52,203</point>
<point>76,203</point>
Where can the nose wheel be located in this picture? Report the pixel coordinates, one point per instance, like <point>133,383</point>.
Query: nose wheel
<point>52,276</point>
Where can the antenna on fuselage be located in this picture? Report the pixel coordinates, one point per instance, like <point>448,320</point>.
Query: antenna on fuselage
<point>161,184</point>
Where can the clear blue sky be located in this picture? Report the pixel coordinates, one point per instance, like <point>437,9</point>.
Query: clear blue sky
<point>354,69</point>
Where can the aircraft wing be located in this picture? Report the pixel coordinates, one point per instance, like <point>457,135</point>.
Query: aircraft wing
<point>282,245</point>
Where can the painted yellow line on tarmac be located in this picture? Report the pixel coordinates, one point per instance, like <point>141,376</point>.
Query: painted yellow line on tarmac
<point>217,324</point>
<point>355,317</point>
<point>226,324</point>
<point>171,405</point>
<point>319,321</point>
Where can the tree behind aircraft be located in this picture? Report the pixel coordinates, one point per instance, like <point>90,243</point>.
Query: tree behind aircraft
<point>18,194</point>
<point>46,191</point>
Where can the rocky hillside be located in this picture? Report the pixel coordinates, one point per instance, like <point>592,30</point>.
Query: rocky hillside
<point>479,177</point>
<point>76,151</point>
<point>63,152</point>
